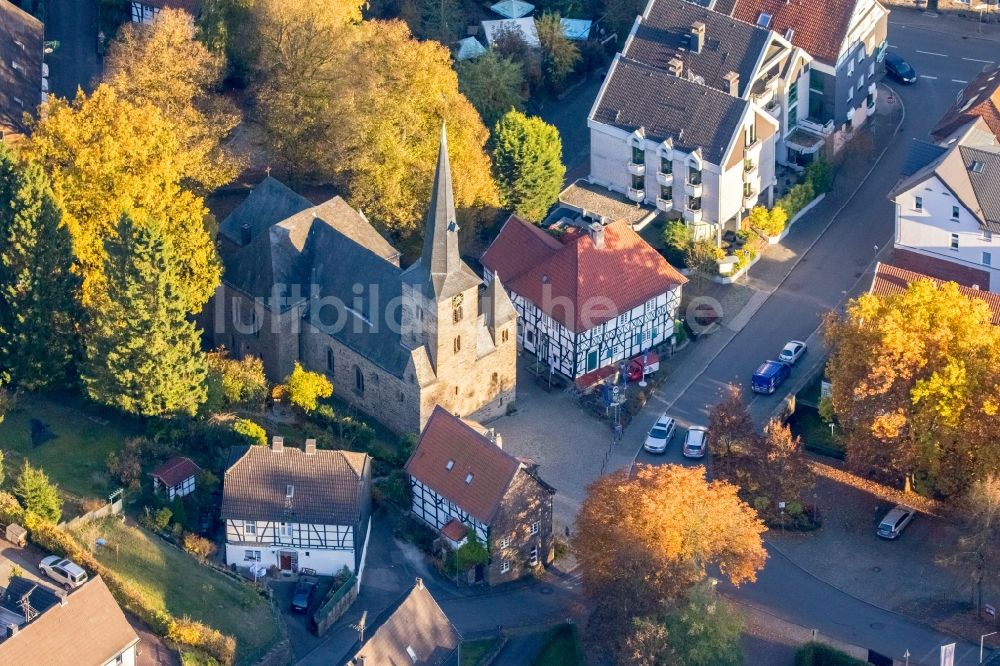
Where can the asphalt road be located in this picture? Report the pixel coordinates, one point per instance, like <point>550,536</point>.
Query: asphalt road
<point>823,276</point>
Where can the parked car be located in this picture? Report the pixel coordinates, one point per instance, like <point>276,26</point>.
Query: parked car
<point>303,595</point>
<point>769,377</point>
<point>899,69</point>
<point>695,442</point>
<point>895,521</point>
<point>660,434</point>
<point>792,351</point>
<point>68,574</point>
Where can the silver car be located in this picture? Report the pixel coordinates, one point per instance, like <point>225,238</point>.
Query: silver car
<point>895,521</point>
<point>68,574</point>
<point>695,442</point>
<point>792,352</point>
<point>660,434</point>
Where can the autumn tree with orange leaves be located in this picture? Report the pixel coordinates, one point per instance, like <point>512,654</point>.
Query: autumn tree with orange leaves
<point>649,538</point>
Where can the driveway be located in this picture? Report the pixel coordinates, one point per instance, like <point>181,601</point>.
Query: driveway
<point>73,23</point>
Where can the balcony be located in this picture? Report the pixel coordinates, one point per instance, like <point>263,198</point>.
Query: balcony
<point>694,189</point>
<point>693,215</point>
<point>665,178</point>
<point>636,195</point>
<point>664,204</point>
<point>816,127</point>
<point>750,172</point>
<point>750,198</point>
<point>774,110</point>
<point>636,169</point>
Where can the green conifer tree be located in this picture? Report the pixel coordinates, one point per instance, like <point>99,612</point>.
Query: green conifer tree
<point>142,350</point>
<point>527,163</point>
<point>39,293</point>
<point>37,494</point>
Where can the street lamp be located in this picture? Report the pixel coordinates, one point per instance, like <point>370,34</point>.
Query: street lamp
<point>981,640</point>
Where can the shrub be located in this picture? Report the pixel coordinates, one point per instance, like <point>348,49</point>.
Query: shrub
<point>768,222</point>
<point>36,494</point>
<point>126,465</point>
<point>198,546</point>
<point>472,553</point>
<point>820,654</point>
<point>678,235</point>
<point>10,509</point>
<point>820,174</point>
<point>305,388</point>
<point>238,381</point>
<point>679,333</point>
<point>92,504</point>
<point>251,432</point>
<point>189,632</point>
<point>161,518</point>
<point>797,198</point>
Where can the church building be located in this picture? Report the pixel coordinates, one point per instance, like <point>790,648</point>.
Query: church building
<point>318,285</point>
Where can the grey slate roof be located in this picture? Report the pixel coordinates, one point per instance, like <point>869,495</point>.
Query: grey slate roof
<point>986,181</point>
<point>730,45</point>
<point>328,485</point>
<point>921,154</point>
<point>637,95</point>
<point>270,202</point>
<point>21,36</point>
<point>415,622</point>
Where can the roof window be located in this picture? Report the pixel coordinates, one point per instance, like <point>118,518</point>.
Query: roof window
<point>976,166</point>
<point>451,463</point>
<point>764,20</point>
<point>468,477</point>
<point>289,491</point>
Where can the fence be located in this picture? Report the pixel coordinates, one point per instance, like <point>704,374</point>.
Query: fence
<point>335,605</point>
<point>113,507</point>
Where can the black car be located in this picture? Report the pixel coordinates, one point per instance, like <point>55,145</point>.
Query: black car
<point>899,69</point>
<point>305,589</point>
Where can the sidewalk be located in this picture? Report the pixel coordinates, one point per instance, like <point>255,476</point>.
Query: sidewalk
<point>948,20</point>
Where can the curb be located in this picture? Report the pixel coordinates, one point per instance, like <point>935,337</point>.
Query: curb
<point>957,32</point>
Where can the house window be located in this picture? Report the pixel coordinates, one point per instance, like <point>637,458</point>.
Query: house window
<point>622,319</point>
<point>667,192</point>
<point>987,258</point>
<point>637,182</point>
<point>638,157</point>
<point>457,344</point>
<point>694,174</point>
<point>456,314</point>
<point>505,542</point>
<point>666,164</point>
<point>468,478</point>
<point>694,203</point>
<point>535,526</point>
<point>504,335</point>
<point>329,361</point>
<point>534,557</point>
<point>747,189</point>
<point>954,241</point>
<point>504,566</point>
<point>850,68</point>
<point>359,380</point>
<point>861,56</point>
<point>251,556</point>
<point>249,527</point>
<point>954,212</point>
<point>592,360</point>
<point>286,529</point>
<point>871,69</point>
<point>850,93</point>
<point>750,134</point>
<point>918,203</point>
<point>988,236</point>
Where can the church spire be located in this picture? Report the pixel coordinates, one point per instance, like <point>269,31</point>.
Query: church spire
<point>440,256</point>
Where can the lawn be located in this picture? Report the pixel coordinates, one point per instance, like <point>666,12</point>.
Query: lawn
<point>562,647</point>
<point>806,423</point>
<point>176,582</point>
<point>474,651</point>
<point>84,436</point>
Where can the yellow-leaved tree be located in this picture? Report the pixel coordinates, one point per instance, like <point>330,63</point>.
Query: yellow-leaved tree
<point>107,156</point>
<point>164,65</point>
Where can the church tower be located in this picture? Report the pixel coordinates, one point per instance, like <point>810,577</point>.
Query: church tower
<point>440,307</point>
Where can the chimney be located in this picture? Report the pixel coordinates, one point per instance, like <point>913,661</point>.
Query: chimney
<point>697,37</point>
<point>62,597</point>
<point>498,440</point>
<point>596,234</point>
<point>675,66</point>
<point>976,287</point>
<point>310,447</point>
<point>12,630</point>
<point>277,444</point>
<point>245,234</point>
<point>420,583</point>
<point>733,80</point>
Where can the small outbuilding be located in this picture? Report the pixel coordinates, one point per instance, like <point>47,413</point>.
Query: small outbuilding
<point>176,476</point>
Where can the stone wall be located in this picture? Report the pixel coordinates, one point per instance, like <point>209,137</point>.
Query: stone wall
<point>527,501</point>
<point>247,328</point>
<point>335,605</point>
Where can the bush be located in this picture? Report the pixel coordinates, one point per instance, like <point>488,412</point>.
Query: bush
<point>189,632</point>
<point>766,222</point>
<point>820,174</point>
<point>305,388</point>
<point>251,432</point>
<point>126,465</point>
<point>198,546</point>
<point>680,334</point>
<point>797,198</point>
<point>235,382</point>
<point>820,654</point>
<point>678,235</point>
<point>472,553</point>
<point>160,519</point>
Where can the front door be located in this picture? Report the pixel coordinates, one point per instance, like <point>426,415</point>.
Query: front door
<point>285,561</point>
<point>480,573</point>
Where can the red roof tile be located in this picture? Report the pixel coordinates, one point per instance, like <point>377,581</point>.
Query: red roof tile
<point>446,438</point>
<point>820,25</point>
<point>941,269</point>
<point>980,98</point>
<point>574,281</point>
<point>454,530</point>
<point>175,471</point>
<point>891,280</point>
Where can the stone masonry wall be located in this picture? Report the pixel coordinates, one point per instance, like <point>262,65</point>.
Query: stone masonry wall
<point>526,502</point>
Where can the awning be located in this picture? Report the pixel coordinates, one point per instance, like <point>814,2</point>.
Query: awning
<point>525,26</point>
<point>576,30</point>
<point>469,48</point>
<point>513,8</point>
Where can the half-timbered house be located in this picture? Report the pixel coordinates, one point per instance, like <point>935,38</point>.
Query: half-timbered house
<point>463,482</point>
<point>586,297</point>
<point>290,508</point>
<point>146,11</point>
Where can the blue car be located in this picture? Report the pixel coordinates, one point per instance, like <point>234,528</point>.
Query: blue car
<point>769,376</point>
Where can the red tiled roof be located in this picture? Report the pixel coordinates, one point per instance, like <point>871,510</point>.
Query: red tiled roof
<point>572,280</point>
<point>891,280</point>
<point>454,530</point>
<point>820,25</point>
<point>941,269</point>
<point>980,98</point>
<point>175,470</point>
<point>447,438</point>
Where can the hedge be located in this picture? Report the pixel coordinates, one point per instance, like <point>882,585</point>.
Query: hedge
<point>821,654</point>
<point>183,631</point>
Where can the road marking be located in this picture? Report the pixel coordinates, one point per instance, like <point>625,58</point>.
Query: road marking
<point>924,76</point>
<point>893,46</point>
<point>940,55</point>
<point>977,60</point>
<point>958,81</point>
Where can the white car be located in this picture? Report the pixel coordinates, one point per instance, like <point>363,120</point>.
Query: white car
<point>792,352</point>
<point>660,434</point>
<point>695,442</point>
<point>69,574</point>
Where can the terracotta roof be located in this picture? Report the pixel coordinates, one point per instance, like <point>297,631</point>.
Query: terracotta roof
<point>175,470</point>
<point>327,487</point>
<point>454,530</point>
<point>597,283</point>
<point>21,86</point>
<point>940,269</point>
<point>89,630</point>
<point>980,98</point>
<point>892,280</point>
<point>415,624</point>
<point>819,26</point>
<point>447,441</point>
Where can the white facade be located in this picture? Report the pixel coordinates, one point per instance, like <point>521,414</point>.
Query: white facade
<point>437,510</point>
<point>930,220</point>
<point>126,658</point>
<point>291,546</point>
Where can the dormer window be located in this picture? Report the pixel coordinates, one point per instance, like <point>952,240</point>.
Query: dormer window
<point>289,491</point>
<point>468,478</point>
<point>764,20</point>
<point>449,465</point>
